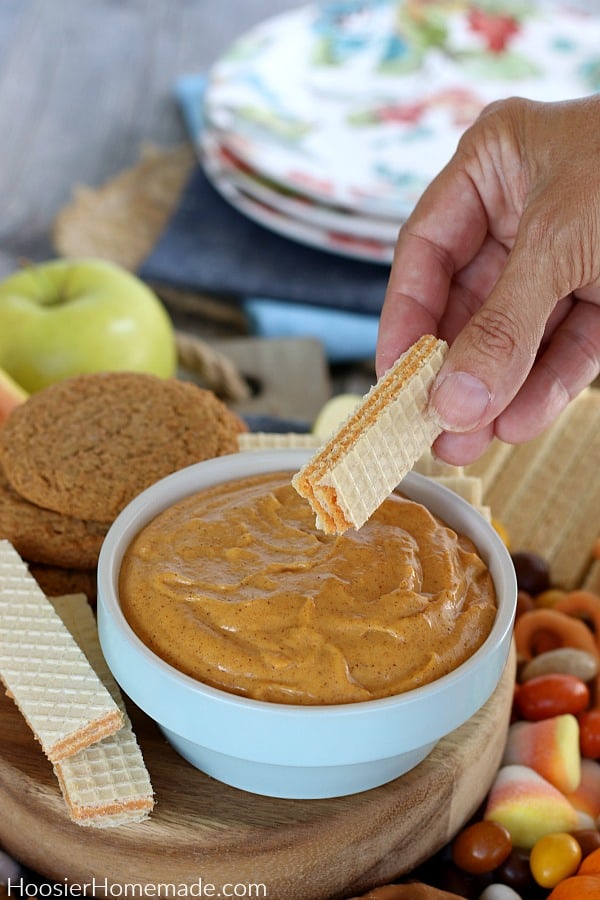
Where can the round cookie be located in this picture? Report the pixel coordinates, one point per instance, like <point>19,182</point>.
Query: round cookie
<point>43,536</point>
<point>87,445</point>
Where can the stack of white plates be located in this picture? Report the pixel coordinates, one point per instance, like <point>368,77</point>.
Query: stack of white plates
<point>325,124</point>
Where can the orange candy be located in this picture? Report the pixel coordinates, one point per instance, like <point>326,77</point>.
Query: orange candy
<point>558,861</point>
<point>589,725</point>
<point>553,858</point>
<point>590,865</point>
<point>579,887</point>
<point>551,695</point>
<point>584,885</point>
<point>545,629</point>
<point>584,605</point>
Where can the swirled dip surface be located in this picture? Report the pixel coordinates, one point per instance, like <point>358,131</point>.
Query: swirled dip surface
<point>236,587</point>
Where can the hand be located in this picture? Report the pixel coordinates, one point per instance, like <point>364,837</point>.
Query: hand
<point>501,258</point>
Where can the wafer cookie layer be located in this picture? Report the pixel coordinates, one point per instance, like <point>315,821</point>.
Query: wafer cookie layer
<point>45,672</point>
<point>266,440</point>
<point>348,478</point>
<point>106,784</point>
<point>466,486</point>
<point>546,492</point>
<point>428,465</point>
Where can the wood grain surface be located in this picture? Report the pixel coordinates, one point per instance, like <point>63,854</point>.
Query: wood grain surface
<point>83,85</point>
<point>204,829</point>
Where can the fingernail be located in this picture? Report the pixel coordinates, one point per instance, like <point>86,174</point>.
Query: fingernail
<point>459,401</point>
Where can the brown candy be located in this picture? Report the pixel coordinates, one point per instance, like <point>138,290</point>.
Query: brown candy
<point>533,574</point>
<point>481,847</point>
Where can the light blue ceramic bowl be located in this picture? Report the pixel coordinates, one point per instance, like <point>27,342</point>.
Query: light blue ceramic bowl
<point>298,751</point>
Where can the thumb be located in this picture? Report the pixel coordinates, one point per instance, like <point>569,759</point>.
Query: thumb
<point>493,354</point>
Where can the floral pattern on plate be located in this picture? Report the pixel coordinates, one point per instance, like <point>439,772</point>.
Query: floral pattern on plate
<point>220,159</point>
<point>320,236</point>
<point>359,103</point>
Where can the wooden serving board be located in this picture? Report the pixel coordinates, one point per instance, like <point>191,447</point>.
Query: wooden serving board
<point>202,829</point>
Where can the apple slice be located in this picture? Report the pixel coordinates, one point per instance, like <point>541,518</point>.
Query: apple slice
<point>11,395</point>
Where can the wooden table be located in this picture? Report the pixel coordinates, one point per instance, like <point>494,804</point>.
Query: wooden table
<point>83,84</point>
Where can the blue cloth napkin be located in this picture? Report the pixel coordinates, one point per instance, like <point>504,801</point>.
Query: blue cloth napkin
<point>286,288</point>
<point>344,335</point>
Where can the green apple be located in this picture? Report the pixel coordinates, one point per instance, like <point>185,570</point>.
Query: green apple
<point>67,317</point>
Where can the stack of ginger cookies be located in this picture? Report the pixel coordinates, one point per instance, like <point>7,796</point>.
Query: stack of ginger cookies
<point>74,454</point>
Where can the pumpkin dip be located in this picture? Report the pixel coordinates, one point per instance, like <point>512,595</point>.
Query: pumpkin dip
<point>236,587</point>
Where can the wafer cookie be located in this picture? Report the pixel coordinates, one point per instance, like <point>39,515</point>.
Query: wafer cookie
<point>428,465</point>
<point>546,493</point>
<point>490,465</point>
<point>60,696</point>
<point>466,486</point>
<point>106,784</point>
<point>360,465</point>
<point>266,440</point>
